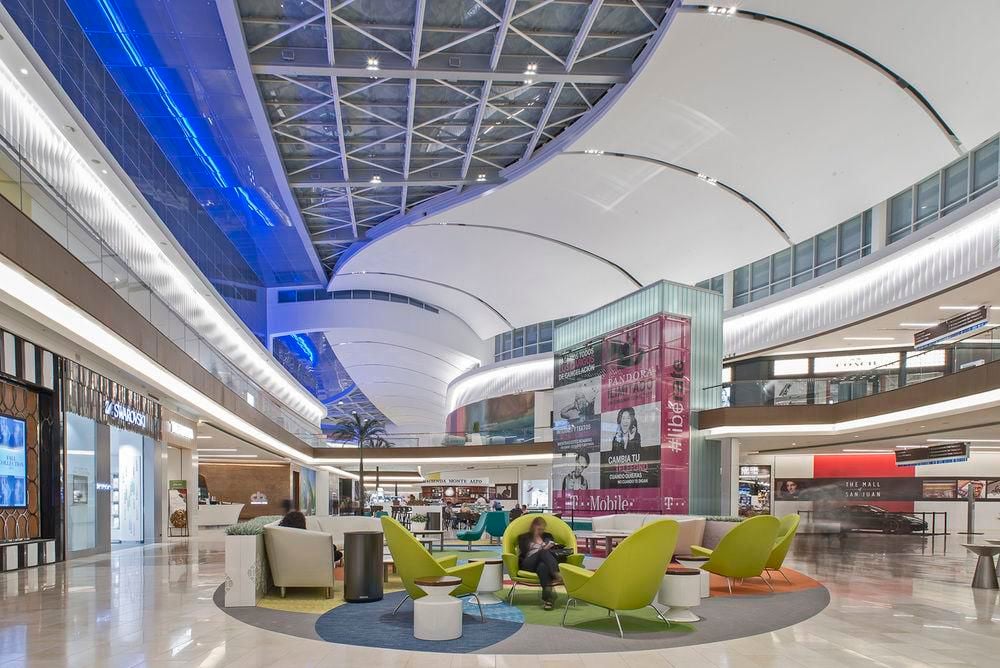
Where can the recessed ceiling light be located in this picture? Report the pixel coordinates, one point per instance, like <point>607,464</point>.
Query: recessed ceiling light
<point>217,450</point>
<point>919,324</point>
<point>104,171</point>
<point>962,308</point>
<point>24,71</point>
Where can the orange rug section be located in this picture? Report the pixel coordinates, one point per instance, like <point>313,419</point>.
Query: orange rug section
<point>754,586</point>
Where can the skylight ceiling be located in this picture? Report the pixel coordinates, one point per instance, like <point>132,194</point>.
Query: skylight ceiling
<point>377,106</point>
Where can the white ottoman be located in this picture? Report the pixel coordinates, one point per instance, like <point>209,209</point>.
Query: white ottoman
<point>437,616</point>
<point>491,581</point>
<point>680,590</point>
<point>693,561</point>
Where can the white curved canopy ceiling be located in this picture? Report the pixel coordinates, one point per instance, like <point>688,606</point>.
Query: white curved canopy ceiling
<point>807,131</point>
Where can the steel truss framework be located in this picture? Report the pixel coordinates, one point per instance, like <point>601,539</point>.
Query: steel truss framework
<point>377,106</point>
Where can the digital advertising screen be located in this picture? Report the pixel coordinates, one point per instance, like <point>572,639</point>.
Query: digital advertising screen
<point>13,463</point>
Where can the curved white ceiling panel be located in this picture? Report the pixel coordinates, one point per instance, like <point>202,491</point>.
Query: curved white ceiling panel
<point>525,278</point>
<point>401,357</point>
<point>810,133</point>
<point>940,49</point>
<point>473,310</point>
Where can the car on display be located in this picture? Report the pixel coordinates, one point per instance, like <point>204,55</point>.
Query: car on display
<point>864,517</point>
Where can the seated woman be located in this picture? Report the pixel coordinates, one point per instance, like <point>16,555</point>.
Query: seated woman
<point>534,551</point>
<point>296,520</point>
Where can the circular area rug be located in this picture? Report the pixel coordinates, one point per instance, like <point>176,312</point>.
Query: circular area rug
<point>524,628</point>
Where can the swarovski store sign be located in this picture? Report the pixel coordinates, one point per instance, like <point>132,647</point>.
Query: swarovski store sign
<point>91,395</point>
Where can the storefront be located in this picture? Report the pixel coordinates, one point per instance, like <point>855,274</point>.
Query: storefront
<point>115,478</point>
<point>30,454</point>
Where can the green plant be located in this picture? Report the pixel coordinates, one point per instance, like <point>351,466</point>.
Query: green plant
<point>252,527</point>
<point>418,518</point>
<point>356,429</point>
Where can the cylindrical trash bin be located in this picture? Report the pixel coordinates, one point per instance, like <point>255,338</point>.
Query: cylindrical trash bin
<point>362,566</point>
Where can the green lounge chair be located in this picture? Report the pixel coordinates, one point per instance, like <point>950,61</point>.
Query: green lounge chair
<point>630,577</point>
<point>475,533</point>
<point>786,534</point>
<point>413,561</point>
<point>561,533</point>
<point>743,552</point>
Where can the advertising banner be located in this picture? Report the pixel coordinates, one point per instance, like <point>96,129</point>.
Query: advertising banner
<point>621,421</point>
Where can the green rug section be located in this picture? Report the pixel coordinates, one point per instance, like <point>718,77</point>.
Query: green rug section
<point>586,617</point>
<point>465,555</point>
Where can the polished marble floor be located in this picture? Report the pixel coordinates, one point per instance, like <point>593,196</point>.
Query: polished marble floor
<point>896,601</point>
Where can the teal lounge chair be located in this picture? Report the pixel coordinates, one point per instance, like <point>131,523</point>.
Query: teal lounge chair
<point>496,523</point>
<point>475,533</point>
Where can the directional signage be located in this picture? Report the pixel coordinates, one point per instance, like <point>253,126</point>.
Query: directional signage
<point>933,454</point>
<point>959,325</point>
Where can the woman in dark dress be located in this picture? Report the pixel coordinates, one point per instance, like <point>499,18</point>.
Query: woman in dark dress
<point>534,551</point>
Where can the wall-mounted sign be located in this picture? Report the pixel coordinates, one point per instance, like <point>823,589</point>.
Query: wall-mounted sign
<point>123,413</point>
<point>855,363</point>
<point>933,454</point>
<point>180,430</point>
<point>88,393</point>
<point>457,482</point>
<point>952,328</point>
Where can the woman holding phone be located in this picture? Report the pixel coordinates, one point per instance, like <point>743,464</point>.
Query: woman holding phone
<point>535,554</point>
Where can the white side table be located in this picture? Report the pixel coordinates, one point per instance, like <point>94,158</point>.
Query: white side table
<point>437,616</point>
<point>490,582</point>
<point>680,590</point>
<point>694,561</point>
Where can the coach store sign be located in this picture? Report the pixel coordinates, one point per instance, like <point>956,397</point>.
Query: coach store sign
<point>92,395</point>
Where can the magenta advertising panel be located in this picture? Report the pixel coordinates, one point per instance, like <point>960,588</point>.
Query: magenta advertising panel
<point>621,408</point>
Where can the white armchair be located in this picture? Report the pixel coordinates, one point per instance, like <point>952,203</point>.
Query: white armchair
<point>299,557</point>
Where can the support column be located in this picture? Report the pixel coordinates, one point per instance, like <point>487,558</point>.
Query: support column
<point>730,470</point>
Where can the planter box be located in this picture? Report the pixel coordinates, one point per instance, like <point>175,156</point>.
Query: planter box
<point>247,573</point>
<point>417,526</point>
<point>714,531</point>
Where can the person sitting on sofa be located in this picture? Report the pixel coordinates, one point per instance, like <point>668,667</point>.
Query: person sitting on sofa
<point>535,554</point>
<point>294,519</point>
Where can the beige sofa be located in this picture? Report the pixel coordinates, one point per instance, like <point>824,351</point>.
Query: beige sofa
<point>692,528</point>
<point>299,557</point>
<point>338,525</point>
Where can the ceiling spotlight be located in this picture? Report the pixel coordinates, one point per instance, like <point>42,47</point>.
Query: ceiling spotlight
<point>595,151</point>
<point>24,71</point>
<point>721,11</point>
<point>376,180</point>
<point>280,112</point>
<point>480,178</point>
<point>708,179</point>
<point>529,73</point>
<point>372,65</point>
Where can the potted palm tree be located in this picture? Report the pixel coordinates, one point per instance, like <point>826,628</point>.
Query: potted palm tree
<point>365,432</point>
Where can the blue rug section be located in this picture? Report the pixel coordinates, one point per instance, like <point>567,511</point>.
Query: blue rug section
<point>501,611</point>
<point>374,625</point>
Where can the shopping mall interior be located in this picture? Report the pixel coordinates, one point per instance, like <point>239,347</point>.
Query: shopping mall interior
<point>405,333</point>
